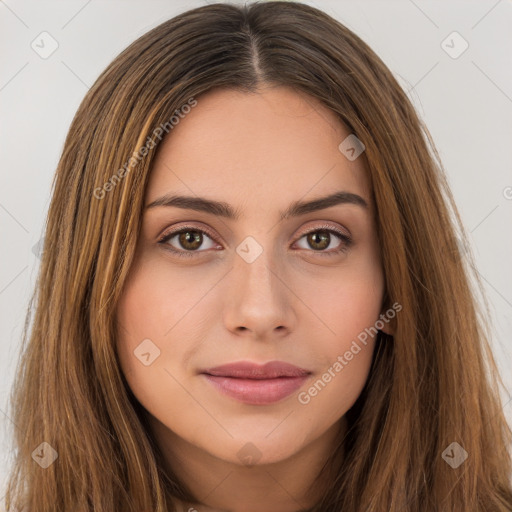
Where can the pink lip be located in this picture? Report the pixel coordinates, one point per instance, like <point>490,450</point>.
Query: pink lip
<point>257,384</point>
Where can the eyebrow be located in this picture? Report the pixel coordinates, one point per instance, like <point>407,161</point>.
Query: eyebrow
<point>223,209</point>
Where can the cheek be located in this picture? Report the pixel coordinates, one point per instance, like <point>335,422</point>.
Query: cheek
<point>156,303</point>
<point>346,301</point>
<point>158,307</point>
<point>348,307</point>
<point>332,393</point>
<point>346,354</point>
<point>143,355</point>
<point>141,324</point>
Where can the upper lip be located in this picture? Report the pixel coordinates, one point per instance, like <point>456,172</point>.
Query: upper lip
<point>248,370</point>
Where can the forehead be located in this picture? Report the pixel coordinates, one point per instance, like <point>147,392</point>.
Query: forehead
<point>265,148</point>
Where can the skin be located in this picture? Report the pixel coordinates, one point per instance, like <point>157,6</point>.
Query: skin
<point>258,152</point>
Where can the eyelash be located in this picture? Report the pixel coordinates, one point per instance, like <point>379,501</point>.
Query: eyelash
<point>345,246</point>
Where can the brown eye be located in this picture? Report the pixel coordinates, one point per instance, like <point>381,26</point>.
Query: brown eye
<point>319,240</point>
<point>188,240</point>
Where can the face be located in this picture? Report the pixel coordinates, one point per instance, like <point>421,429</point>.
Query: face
<point>239,282</point>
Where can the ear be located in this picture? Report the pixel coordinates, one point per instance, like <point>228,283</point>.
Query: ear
<point>387,319</point>
<point>388,328</point>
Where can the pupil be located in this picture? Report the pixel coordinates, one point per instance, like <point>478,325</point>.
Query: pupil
<point>319,235</point>
<point>188,238</point>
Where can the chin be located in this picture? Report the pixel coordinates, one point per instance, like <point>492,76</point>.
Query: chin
<point>255,451</point>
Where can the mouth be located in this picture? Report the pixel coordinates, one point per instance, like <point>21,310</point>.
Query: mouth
<point>255,384</point>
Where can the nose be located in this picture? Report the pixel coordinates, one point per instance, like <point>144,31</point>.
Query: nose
<point>260,301</point>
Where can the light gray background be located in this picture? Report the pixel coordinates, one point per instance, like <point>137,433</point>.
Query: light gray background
<point>465,101</point>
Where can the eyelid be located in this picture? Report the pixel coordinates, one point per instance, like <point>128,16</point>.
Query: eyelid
<point>326,226</point>
<point>346,240</point>
<point>312,228</point>
<point>345,237</point>
<point>184,226</point>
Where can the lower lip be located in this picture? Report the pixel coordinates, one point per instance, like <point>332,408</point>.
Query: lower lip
<point>257,391</point>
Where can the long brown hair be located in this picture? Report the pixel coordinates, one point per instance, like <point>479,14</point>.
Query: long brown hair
<point>433,383</point>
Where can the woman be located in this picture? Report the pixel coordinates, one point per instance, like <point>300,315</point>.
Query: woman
<point>251,296</point>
